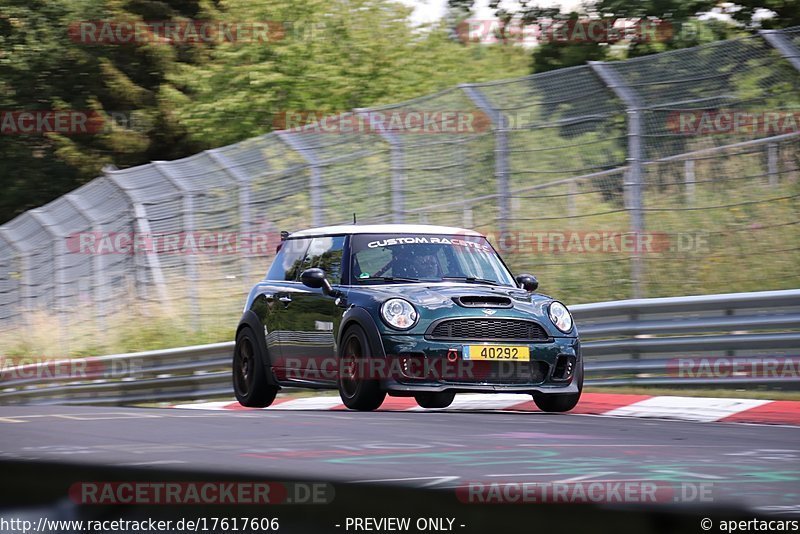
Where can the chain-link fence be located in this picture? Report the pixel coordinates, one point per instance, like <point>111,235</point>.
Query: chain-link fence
<point>670,174</point>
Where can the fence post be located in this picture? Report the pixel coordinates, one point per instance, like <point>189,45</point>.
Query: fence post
<point>785,47</point>
<point>573,192</point>
<point>501,166</point>
<point>59,283</point>
<point>634,176</point>
<point>23,261</point>
<point>396,167</point>
<point>315,183</point>
<point>97,268</point>
<point>772,164</point>
<point>188,227</point>
<point>243,183</point>
<point>142,226</point>
<point>689,180</point>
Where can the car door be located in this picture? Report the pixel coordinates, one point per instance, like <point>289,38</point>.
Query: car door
<point>282,282</point>
<point>313,313</point>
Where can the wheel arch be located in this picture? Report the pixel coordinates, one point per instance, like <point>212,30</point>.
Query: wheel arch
<point>360,317</point>
<point>250,320</point>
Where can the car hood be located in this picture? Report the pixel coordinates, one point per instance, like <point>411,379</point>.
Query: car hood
<point>441,300</point>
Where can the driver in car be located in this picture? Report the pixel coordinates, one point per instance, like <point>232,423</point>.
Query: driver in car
<point>422,266</point>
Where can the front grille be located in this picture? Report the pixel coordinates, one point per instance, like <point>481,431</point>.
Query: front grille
<point>487,329</point>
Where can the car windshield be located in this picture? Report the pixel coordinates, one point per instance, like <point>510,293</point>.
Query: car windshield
<point>382,258</point>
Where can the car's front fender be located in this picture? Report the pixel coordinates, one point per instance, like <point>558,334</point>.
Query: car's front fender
<point>356,315</point>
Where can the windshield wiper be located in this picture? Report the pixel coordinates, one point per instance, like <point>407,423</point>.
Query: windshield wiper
<point>389,279</point>
<point>473,280</point>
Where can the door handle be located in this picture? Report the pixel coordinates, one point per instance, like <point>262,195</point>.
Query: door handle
<point>286,299</point>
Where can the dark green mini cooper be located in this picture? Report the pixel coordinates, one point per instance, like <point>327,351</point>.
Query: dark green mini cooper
<point>403,310</point>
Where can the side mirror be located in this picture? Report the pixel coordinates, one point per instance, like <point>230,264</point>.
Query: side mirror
<point>528,282</point>
<point>315,279</point>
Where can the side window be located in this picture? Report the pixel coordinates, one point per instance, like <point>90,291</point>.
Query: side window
<point>288,263</point>
<point>326,254</point>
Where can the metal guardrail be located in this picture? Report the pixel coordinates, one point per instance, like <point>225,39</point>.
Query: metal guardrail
<point>718,340</point>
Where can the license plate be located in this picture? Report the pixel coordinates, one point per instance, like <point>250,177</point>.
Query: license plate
<point>497,353</point>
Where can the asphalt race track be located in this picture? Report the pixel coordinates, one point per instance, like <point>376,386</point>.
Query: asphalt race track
<point>755,467</point>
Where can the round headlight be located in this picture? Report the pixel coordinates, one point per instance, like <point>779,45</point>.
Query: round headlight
<point>399,314</point>
<point>560,316</point>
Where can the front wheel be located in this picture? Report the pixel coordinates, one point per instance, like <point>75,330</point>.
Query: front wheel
<point>357,388</point>
<point>435,400</point>
<point>249,378</point>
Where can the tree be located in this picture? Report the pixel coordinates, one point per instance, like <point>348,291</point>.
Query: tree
<point>44,67</point>
<point>335,56</point>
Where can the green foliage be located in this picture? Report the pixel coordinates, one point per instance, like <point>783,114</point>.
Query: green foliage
<point>327,56</point>
<point>43,67</point>
<point>338,56</point>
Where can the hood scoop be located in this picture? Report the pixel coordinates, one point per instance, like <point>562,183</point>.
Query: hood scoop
<point>483,301</point>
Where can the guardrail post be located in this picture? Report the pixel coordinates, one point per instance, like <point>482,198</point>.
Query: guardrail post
<point>315,182</point>
<point>501,165</point>
<point>780,42</point>
<point>634,177</point>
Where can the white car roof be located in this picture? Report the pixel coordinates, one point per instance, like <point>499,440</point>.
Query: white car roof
<point>349,229</point>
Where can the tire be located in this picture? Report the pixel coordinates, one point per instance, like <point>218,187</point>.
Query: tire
<point>249,376</point>
<point>357,392</point>
<point>435,400</point>
<point>560,402</point>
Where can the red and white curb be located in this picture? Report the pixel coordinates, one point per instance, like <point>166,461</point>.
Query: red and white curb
<point>704,409</point>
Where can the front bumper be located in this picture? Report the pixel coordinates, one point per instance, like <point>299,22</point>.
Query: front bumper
<point>436,366</point>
